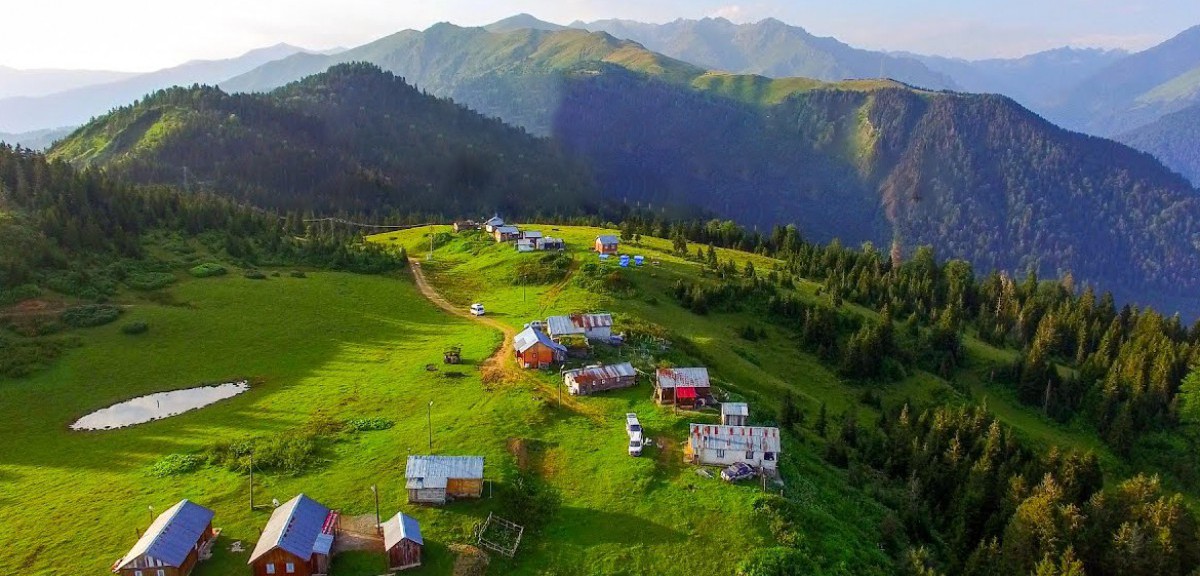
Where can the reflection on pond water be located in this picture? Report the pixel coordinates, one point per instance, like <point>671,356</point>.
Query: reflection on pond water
<point>158,406</point>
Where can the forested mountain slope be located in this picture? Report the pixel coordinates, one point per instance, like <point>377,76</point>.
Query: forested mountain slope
<point>1174,139</point>
<point>353,139</point>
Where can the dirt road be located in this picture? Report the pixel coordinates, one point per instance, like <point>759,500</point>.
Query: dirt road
<point>497,367</point>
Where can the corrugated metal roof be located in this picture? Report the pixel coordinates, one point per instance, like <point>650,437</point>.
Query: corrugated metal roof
<point>683,378</point>
<point>171,537</point>
<point>508,230</point>
<point>562,326</point>
<point>528,337</point>
<point>293,527</point>
<point>739,438</point>
<point>433,471</point>
<point>608,239</point>
<point>735,409</point>
<point>594,373</point>
<point>589,321</point>
<point>494,221</point>
<point>400,527</point>
<point>531,234</point>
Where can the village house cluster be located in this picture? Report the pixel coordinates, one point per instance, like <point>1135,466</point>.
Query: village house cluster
<point>524,240</point>
<point>300,536</point>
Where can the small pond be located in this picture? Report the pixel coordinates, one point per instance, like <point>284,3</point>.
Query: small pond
<point>158,406</point>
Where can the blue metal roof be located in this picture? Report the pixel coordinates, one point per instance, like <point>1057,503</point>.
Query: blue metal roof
<point>528,337</point>
<point>401,527</point>
<point>294,527</point>
<point>171,537</point>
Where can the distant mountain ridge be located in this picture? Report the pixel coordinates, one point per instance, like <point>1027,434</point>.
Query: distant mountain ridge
<point>1174,139</point>
<point>769,48</point>
<point>40,82</point>
<point>76,106</point>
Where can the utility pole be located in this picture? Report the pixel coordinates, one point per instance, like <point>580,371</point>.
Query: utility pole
<point>251,480</point>
<point>430,415</point>
<point>431,242</point>
<point>378,520</point>
<point>151,509</point>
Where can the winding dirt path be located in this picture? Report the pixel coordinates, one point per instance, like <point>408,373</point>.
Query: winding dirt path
<point>496,368</point>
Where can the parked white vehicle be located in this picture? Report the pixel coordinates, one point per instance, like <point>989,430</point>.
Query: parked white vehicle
<point>477,309</point>
<point>635,443</point>
<point>632,424</point>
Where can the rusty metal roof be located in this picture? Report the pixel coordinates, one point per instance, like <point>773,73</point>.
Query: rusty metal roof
<point>601,373</point>
<point>683,378</point>
<point>738,438</point>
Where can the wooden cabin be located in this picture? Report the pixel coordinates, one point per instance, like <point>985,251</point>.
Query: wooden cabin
<point>683,387</point>
<point>534,349</point>
<point>607,244</point>
<point>465,225</point>
<point>716,445</point>
<point>175,542</point>
<point>298,539</point>
<point>592,379</point>
<point>402,541</point>
<point>506,233</point>
<point>735,413</point>
<point>550,243</point>
<point>438,479</point>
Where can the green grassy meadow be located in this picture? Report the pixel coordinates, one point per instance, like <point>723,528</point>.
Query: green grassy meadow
<point>348,346</point>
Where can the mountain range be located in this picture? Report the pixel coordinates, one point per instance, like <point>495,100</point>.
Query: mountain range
<point>40,82</point>
<point>977,176</point>
<point>1174,139</point>
<point>75,106</point>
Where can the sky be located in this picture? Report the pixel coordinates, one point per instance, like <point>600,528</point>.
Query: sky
<point>143,35</point>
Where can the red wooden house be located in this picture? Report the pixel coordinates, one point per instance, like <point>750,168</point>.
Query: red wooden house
<point>178,539</point>
<point>607,244</point>
<point>534,349</point>
<point>297,540</point>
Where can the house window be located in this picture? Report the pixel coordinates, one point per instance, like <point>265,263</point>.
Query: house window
<point>137,573</point>
<point>769,456</point>
<point>162,572</point>
<point>750,455</point>
<point>720,453</point>
<point>271,568</point>
<point>290,568</point>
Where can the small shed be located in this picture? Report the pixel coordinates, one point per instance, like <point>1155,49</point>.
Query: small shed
<point>607,244</point>
<point>550,243</point>
<point>402,541</point>
<point>534,349</point>
<point>735,413</point>
<point>174,543</point>
<point>506,233</point>
<point>533,235</point>
<point>492,223</point>
<point>437,479</point>
<point>593,326</point>
<point>296,540</point>
<point>524,245</point>
<point>592,379</point>
<point>464,225</point>
<point>686,387</point>
<point>716,445</point>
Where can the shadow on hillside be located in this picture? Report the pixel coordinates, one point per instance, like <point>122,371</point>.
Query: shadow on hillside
<point>603,527</point>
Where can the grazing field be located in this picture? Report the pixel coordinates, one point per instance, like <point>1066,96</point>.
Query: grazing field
<point>331,347</point>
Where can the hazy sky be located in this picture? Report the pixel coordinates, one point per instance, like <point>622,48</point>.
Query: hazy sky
<point>150,34</point>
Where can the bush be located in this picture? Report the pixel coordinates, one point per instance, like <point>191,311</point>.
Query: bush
<point>208,270</point>
<point>369,424</point>
<point>529,501</point>
<point>90,315</point>
<point>254,275</point>
<point>135,328</point>
<point>547,269</point>
<point>150,280</point>
<point>21,357</point>
<point>19,293</point>
<point>175,464</point>
<point>298,274</point>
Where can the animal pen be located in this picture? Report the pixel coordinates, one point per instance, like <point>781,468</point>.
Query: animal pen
<point>499,535</point>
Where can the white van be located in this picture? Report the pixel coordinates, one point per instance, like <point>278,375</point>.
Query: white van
<point>477,309</point>
<point>635,443</point>
<point>631,423</point>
